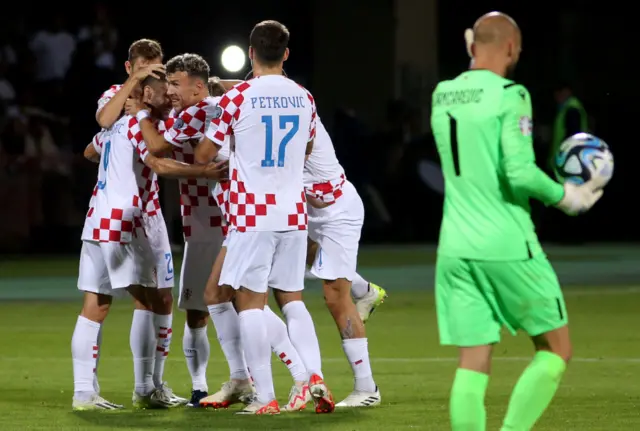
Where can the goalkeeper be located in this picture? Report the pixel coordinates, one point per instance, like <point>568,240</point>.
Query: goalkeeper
<point>491,270</point>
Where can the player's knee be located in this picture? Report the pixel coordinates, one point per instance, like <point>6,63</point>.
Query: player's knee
<point>197,319</point>
<point>215,294</point>
<point>162,301</point>
<point>556,341</point>
<point>476,358</point>
<point>96,307</point>
<point>337,293</point>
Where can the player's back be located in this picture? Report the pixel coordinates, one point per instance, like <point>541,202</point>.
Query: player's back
<point>271,127</point>
<point>126,187</point>
<point>483,218</point>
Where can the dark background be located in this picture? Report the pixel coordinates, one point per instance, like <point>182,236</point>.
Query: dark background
<point>346,53</point>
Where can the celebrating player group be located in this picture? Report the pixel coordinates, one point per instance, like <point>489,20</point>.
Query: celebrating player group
<point>262,195</point>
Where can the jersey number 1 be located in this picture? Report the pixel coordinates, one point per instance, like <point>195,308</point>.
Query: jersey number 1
<point>283,120</point>
<point>453,140</point>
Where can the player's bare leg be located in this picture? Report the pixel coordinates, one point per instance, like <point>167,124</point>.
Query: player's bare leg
<point>257,350</point>
<point>281,345</point>
<point>161,301</point>
<point>226,321</point>
<point>354,343</point>
<point>195,345</point>
<point>85,351</point>
<point>303,336</point>
<point>367,296</point>
<point>538,383</point>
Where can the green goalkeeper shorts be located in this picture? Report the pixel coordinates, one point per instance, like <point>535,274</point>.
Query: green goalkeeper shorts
<point>474,299</point>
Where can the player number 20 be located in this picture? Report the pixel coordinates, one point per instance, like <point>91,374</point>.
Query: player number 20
<point>283,123</point>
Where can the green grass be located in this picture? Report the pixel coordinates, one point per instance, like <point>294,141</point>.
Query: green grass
<point>600,390</point>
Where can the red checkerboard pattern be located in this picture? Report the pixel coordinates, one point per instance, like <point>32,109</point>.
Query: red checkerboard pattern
<point>148,188</point>
<point>114,229</point>
<point>312,126</point>
<point>300,219</point>
<point>328,191</point>
<point>198,207</point>
<point>245,208</point>
<point>230,104</point>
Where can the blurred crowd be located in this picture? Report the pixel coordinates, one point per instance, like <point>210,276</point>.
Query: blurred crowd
<point>44,124</point>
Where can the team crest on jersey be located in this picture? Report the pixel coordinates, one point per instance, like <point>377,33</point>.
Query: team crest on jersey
<point>178,123</point>
<point>526,125</point>
<point>217,112</point>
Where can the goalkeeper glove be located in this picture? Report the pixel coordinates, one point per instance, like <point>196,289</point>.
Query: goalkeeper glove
<point>578,199</point>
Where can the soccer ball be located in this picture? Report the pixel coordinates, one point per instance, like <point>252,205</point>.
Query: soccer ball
<point>583,157</point>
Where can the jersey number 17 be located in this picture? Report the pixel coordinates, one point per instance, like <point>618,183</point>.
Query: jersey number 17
<point>283,122</point>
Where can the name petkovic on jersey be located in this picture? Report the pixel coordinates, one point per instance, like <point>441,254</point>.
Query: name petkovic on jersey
<point>458,97</point>
<point>278,102</point>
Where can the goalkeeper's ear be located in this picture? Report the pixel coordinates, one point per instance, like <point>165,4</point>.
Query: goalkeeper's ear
<point>468,38</point>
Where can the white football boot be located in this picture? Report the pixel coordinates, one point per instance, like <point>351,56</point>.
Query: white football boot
<point>95,403</point>
<point>299,396</point>
<point>232,392</point>
<point>368,303</point>
<point>361,399</point>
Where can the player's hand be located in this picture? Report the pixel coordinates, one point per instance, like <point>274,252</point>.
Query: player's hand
<point>133,106</point>
<point>217,171</point>
<point>578,199</point>
<point>152,69</point>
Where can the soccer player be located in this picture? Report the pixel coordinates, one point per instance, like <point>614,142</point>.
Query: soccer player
<point>193,109</point>
<point>117,253</point>
<point>491,270</point>
<point>267,210</point>
<point>144,59</point>
<point>336,215</point>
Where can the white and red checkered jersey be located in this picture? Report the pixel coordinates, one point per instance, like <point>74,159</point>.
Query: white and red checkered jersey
<point>108,95</point>
<point>200,213</point>
<point>323,173</point>
<point>270,120</point>
<point>91,221</point>
<point>126,186</point>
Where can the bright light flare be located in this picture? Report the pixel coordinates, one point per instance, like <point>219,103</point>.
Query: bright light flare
<point>233,58</point>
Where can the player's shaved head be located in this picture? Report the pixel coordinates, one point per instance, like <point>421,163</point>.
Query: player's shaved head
<point>496,28</point>
<point>496,43</point>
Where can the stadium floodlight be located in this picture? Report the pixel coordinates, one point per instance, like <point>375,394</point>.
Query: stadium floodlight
<point>233,58</point>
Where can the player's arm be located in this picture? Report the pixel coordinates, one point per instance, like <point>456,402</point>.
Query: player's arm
<point>228,84</point>
<point>312,128</point>
<point>519,166</point>
<point>170,168</point>
<point>156,142</point>
<point>94,149</point>
<point>206,151</point>
<point>111,104</point>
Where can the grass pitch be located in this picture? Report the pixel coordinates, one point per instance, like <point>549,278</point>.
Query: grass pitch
<point>601,389</point>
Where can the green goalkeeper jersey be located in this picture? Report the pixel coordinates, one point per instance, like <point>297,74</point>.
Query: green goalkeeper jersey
<point>482,127</point>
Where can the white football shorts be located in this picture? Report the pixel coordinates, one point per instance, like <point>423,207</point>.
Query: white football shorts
<point>107,267</point>
<point>158,237</point>
<point>259,260</point>
<point>197,262</point>
<point>337,229</point>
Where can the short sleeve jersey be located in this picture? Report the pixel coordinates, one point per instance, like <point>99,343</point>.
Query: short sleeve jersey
<point>270,120</point>
<point>126,188</point>
<point>482,125</point>
<point>108,95</point>
<point>323,174</point>
<point>90,221</point>
<point>200,213</point>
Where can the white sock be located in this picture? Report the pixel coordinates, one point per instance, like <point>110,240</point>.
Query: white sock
<point>143,346</point>
<point>84,351</point>
<point>257,351</point>
<point>195,345</point>
<point>96,384</point>
<point>357,352</point>
<point>226,321</point>
<point>282,347</point>
<point>359,287</point>
<point>303,336</point>
<point>162,324</point>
